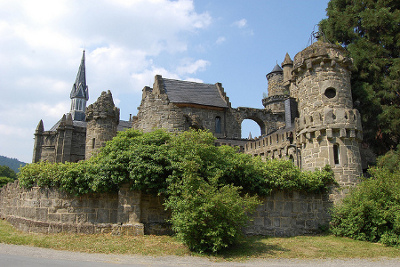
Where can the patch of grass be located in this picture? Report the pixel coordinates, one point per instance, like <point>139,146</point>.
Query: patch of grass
<point>256,247</point>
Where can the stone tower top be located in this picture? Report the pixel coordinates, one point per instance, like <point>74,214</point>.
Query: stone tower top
<point>103,108</point>
<point>275,71</point>
<point>102,121</point>
<point>287,66</point>
<point>320,53</point>
<point>79,94</point>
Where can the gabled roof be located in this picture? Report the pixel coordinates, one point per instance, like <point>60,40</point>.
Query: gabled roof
<point>193,93</point>
<point>79,89</point>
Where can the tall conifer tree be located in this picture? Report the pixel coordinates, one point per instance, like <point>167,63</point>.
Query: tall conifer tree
<point>370,30</point>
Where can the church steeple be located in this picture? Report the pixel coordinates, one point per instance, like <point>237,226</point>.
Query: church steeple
<point>79,93</point>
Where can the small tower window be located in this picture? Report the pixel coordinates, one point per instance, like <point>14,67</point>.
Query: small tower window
<point>218,124</point>
<point>93,143</point>
<point>336,154</point>
<point>330,92</point>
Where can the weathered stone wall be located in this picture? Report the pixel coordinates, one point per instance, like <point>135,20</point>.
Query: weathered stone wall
<point>78,144</point>
<point>102,122</point>
<point>279,145</point>
<point>51,211</point>
<point>290,214</point>
<point>156,111</point>
<point>46,210</point>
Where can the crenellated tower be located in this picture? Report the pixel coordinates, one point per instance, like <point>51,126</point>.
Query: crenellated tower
<point>328,128</point>
<point>102,121</point>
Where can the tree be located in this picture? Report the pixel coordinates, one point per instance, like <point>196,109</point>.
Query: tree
<point>6,171</point>
<point>370,30</point>
<point>371,212</point>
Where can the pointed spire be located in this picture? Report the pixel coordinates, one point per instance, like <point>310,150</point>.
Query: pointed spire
<point>287,60</point>
<point>79,93</point>
<point>68,120</point>
<point>79,89</point>
<point>40,127</point>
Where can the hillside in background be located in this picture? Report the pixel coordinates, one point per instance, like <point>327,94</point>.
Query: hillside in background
<point>14,164</point>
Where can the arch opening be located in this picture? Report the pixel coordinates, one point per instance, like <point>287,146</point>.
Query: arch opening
<point>250,128</point>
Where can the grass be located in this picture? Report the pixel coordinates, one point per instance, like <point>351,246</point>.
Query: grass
<point>302,247</point>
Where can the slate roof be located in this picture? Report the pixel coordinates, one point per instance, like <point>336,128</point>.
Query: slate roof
<point>277,68</point>
<point>75,123</point>
<point>80,89</point>
<point>193,93</point>
<point>123,125</point>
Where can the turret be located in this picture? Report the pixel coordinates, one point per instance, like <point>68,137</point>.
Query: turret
<point>37,147</point>
<point>287,66</point>
<point>102,120</point>
<point>79,93</point>
<point>328,128</point>
<point>277,93</point>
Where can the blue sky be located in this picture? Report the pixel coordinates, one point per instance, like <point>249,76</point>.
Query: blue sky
<point>127,43</point>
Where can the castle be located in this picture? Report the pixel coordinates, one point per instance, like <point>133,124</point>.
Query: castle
<point>308,115</point>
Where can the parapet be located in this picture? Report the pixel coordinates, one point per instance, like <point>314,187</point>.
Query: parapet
<point>321,53</point>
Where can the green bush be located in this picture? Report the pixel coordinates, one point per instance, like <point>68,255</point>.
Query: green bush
<point>372,211</point>
<point>207,216</point>
<point>5,180</point>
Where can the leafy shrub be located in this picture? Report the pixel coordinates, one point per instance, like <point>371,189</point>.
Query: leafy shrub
<point>5,180</point>
<point>372,211</point>
<point>207,216</point>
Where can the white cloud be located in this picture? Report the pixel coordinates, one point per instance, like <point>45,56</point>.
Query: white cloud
<point>220,40</point>
<point>188,66</point>
<point>240,23</point>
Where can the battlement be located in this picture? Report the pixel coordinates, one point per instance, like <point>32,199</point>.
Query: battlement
<point>321,54</point>
<point>272,146</point>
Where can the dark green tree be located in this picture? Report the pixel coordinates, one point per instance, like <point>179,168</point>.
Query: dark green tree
<point>370,30</point>
<point>6,171</point>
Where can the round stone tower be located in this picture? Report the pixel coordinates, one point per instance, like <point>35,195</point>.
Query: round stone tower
<point>328,128</point>
<point>102,121</point>
<point>277,92</point>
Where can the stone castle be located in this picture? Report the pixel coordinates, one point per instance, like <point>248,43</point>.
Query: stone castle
<point>308,118</point>
<point>308,115</point>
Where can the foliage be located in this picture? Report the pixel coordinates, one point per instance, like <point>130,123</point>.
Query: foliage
<point>207,216</point>
<point>14,164</point>
<point>153,161</point>
<point>6,171</point>
<point>5,180</point>
<point>370,31</point>
<point>372,211</point>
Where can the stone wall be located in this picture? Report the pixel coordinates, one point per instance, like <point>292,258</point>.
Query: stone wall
<point>290,214</point>
<point>46,210</point>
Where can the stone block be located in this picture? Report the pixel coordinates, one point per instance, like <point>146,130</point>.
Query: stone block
<point>103,216</point>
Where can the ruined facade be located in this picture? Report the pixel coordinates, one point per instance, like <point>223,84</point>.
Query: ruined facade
<point>308,115</point>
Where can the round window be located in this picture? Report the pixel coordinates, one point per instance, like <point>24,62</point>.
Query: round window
<point>330,92</point>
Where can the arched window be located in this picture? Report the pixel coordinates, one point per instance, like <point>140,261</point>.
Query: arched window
<point>336,154</point>
<point>218,124</point>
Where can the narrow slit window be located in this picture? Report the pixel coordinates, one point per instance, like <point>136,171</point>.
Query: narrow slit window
<point>93,143</point>
<point>336,154</point>
<point>218,124</point>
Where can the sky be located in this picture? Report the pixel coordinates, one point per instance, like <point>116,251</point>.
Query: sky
<point>128,42</point>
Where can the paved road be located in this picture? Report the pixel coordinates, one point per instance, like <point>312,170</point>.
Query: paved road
<point>18,256</point>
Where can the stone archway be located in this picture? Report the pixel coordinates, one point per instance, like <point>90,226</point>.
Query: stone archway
<point>267,120</point>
